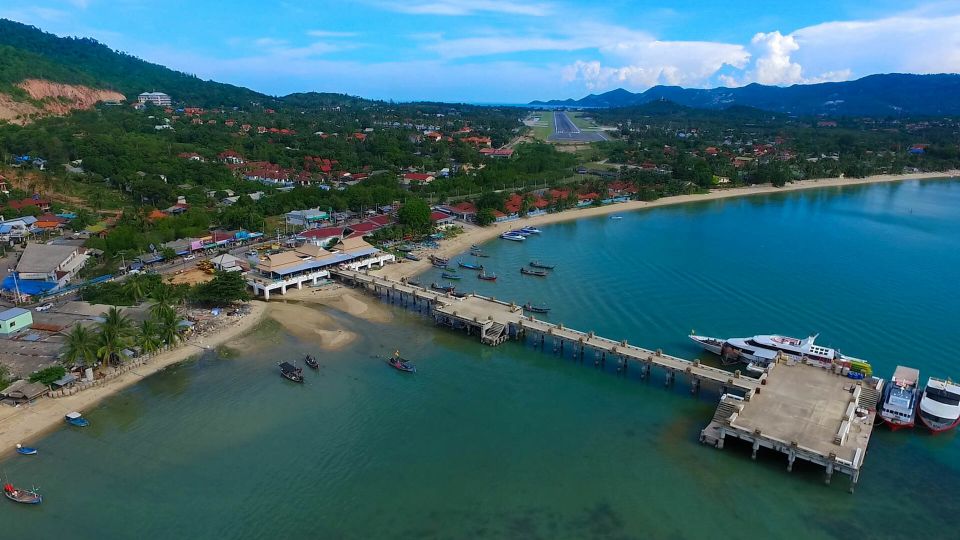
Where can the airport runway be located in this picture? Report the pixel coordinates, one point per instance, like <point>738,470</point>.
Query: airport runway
<point>564,130</point>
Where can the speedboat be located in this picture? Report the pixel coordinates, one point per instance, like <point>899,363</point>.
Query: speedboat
<point>291,372</point>
<point>398,363</point>
<point>22,496</point>
<point>311,362</point>
<point>26,450</point>
<point>513,237</point>
<point>898,406</point>
<point>616,217</point>
<point>765,349</point>
<point>520,232</point>
<point>76,419</point>
<point>940,405</point>
<point>531,230</point>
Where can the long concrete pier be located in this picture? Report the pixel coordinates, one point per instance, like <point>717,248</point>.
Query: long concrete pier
<point>804,411</point>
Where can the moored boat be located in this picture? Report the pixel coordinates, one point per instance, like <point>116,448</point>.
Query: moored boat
<point>898,406</point>
<point>444,288</point>
<point>764,349</point>
<point>76,419</point>
<point>535,309</point>
<point>414,283</point>
<point>291,372</point>
<point>439,260</point>
<point>22,496</point>
<point>478,253</point>
<point>411,256</point>
<point>470,266</point>
<point>513,237</point>
<point>538,273</point>
<point>538,264</point>
<point>616,217</point>
<point>399,363</point>
<point>486,277</point>
<point>26,450</point>
<point>939,408</point>
<point>445,275</point>
<point>519,232</point>
<point>531,230</point>
<point>311,361</point>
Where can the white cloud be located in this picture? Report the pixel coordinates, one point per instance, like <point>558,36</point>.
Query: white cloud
<point>469,7</point>
<point>330,34</point>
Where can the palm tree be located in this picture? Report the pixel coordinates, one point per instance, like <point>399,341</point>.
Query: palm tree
<point>148,337</point>
<point>162,302</point>
<point>81,346</point>
<point>136,288</point>
<point>115,331</point>
<point>170,328</point>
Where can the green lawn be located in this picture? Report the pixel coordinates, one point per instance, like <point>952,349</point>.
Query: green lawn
<point>545,127</point>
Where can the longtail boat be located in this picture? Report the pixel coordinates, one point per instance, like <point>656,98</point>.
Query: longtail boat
<point>450,276</point>
<point>486,277</point>
<point>538,273</point>
<point>22,496</point>
<point>470,266</point>
<point>444,288</point>
<point>535,309</point>
<point>538,264</point>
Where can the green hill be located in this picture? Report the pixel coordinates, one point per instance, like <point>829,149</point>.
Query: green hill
<point>28,52</point>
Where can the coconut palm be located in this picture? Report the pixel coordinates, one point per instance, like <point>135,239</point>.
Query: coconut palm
<point>81,346</point>
<point>169,325</point>
<point>162,302</point>
<point>148,336</point>
<point>135,287</point>
<point>115,331</point>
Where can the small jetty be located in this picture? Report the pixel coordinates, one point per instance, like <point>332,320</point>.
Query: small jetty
<point>802,411</point>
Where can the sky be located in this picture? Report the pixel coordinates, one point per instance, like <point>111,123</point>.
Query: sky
<point>513,51</point>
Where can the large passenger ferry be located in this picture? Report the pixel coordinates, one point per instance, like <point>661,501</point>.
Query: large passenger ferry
<point>940,405</point>
<point>761,350</point>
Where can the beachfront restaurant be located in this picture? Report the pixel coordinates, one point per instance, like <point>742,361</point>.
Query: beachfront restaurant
<point>310,263</point>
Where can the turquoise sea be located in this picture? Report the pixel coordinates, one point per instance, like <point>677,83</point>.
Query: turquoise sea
<point>514,443</point>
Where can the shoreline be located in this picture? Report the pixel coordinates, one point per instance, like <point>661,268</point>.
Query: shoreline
<point>477,235</point>
<point>29,422</point>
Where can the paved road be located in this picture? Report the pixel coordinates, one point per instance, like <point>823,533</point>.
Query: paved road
<point>565,130</point>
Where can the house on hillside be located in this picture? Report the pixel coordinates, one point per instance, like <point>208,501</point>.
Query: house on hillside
<point>308,218</point>
<point>154,98</point>
<point>36,200</point>
<point>422,178</point>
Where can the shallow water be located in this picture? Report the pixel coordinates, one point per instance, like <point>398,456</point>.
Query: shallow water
<point>514,443</point>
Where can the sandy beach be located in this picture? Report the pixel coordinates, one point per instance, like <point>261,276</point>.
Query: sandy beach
<point>26,423</point>
<point>476,235</point>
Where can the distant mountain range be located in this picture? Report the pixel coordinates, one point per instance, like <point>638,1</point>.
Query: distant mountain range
<point>875,95</point>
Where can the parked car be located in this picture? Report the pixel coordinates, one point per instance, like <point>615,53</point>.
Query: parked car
<point>45,307</point>
<point>252,253</point>
<point>189,257</point>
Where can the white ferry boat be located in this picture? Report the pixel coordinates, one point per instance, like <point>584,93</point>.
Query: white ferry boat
<point>760,350</point>
<point>940,405</point>
<point>898,406</point>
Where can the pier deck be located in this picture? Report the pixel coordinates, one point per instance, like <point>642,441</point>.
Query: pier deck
<point>806,412</point>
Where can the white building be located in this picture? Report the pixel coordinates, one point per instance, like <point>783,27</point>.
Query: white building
<point>155,98</point>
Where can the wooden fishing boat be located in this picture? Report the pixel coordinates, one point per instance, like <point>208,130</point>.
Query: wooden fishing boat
<point>535,309</point>
<point>411,257</point>
<point>401,364</point>
<point>406,248</point>
<point>76,419</point>
<point>26,450</point>
<point>538,273</point>
<point>486,277</point>
<point>22,496</point>
<point>291,372</point>
<point>450,276</point>
<point>470,266</point>
<point>477,253</point>
<point>439,260</point>
<point>414,283</point>
<point>311,362</point>
<point>444,288</point>
<point>538,264</point>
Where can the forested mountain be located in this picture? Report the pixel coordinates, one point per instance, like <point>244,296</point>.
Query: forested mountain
<point>31,52</point>
<point>876,95</point>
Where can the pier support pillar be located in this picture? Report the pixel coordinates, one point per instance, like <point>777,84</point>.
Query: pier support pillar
<point>645,371</point>
<point>721,437</point>
<point>695,386</point>
<point>829,474</point>
<point>756,447</point>
<point>791,457</point>
<point>299,285</point>
<point>669,380</point>
<point>854,478</point>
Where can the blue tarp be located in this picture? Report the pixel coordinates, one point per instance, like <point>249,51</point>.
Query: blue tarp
<point>28,286</point>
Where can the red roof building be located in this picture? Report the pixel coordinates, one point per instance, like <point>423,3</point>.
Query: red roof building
<point>42,204</point>
<point>422,178</point>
